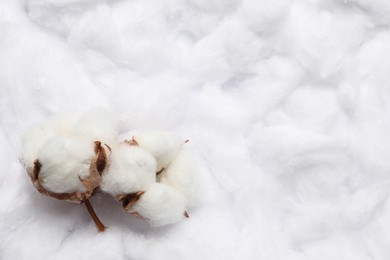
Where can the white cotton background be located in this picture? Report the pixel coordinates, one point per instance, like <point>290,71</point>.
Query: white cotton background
<point>285,103</point>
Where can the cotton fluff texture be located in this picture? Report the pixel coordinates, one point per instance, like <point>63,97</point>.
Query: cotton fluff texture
<point>131,169</point>
<point>163,145</point>
<point>160,205</point>
<point>64,161</point>
<point>286,104</point>
<point>36,137</point>
<point>183,174</point>
<point>176,165</point>
<point>64,146</point>
<point>97,124</point>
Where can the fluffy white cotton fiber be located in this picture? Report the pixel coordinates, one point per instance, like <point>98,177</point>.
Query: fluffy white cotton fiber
<point>67,145</point>
<point>285,102</point>
<point>183,175</point>
<point>163,145</point>
<point>97,124</point>
<point>175,164</point>
<point>32,143</point>
<point>35,138</point>
<point>131,169</point>
<point>64,161</point>
<point>65,155</point>
<point>94,125</point>
<point>160,205</point>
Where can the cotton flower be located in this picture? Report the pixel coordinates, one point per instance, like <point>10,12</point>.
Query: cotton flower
<point>132,180</point>
<point>159,205</point>
<point>163,145</point>
<point>71,156</point>
<point>183,175</point>
<point>63,155</point>
<point>97,124</point>
<point>65,159</point>
<point>69,168</point>
<point>176,166</point>
<point>34,139</point>
<point>131,169</point>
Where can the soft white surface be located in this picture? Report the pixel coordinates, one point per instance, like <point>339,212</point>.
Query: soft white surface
<point>286,104</point>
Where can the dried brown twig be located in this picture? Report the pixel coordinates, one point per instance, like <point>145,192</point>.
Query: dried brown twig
<point>93,215</point>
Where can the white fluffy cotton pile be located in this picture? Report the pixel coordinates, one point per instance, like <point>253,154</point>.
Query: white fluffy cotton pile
<point>285,102</point>
<point>151,175</point>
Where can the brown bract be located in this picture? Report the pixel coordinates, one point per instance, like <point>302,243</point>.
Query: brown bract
<point>137,215</point>
<point>131,142</point>
<point>129,200</point>
<point>75,197</point>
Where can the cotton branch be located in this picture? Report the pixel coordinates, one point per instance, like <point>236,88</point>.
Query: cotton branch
<point>95,218</point>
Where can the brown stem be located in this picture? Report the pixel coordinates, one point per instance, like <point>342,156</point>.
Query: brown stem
<point>95,218</point>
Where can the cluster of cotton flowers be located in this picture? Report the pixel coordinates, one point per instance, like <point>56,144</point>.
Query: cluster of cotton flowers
<point>73,156</point>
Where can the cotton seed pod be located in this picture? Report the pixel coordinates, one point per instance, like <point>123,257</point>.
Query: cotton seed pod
<point>132,169</point>
<point>163,145</point>
<point>159,205</point>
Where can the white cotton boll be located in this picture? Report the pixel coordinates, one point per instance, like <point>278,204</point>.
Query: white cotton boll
<point>63,124</point>
<point>97,124</point>
<point>183,175</point>
<point>163,145</point>
<point>35,138</point>
<point>132,169</point>
<point>160,205</point>
<point>64,161</point>
<point>32,142</point>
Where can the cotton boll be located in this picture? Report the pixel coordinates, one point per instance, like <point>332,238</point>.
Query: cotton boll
<point>64,155</point>
<point>183,175</point>
<point>163,145</point>
<point>35,138</point>
<point>63,123</point>
<point>65,160</point>
<point>160,205</point>
<point>131,169</point>
<point>32,142</point>
<point>97,124</point>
